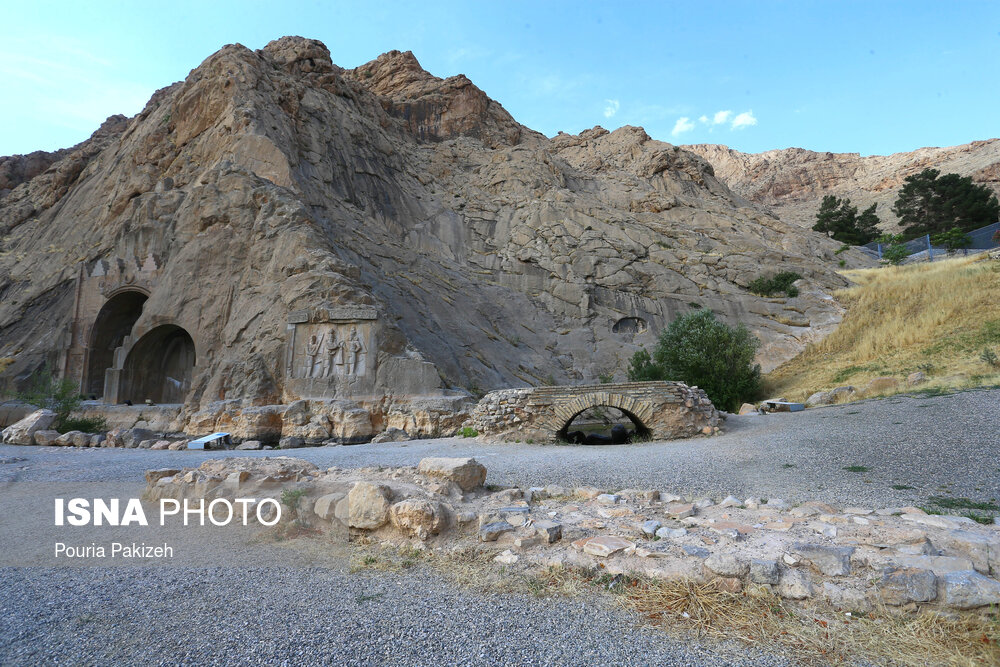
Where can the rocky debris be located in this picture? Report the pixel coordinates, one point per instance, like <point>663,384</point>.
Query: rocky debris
<point>391,435</point>
<point>900,585</point>
<point>889,559</point>
<point>23,432</point>
<point>466,472</point>
<point>748,409</point>
<point>291,442</point>
<point>837,395</point>
<point>918,377</point>
<point>249,445</point>
<point>45,438</point>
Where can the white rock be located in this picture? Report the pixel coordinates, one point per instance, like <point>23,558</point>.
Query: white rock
<point>508,557</point>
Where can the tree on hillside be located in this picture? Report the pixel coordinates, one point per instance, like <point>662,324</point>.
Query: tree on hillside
<point>953,239</point>
<point>839,220</point>
<point>699,350</point>
<point>928,204</point>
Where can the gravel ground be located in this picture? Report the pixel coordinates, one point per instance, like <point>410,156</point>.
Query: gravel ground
<point>303,611</point>
<point>280,616</point>
<point>929,443</point>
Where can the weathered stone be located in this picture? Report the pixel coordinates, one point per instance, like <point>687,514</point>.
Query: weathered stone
<point>492,531</point>
<point>764,571</point>
<point>831,561</point>
<point>901,585</point>
<point>249,445</point>
<point>982,549</point>
<point>913,379</point>
<point>152,476</point>
<point>391,435</point>
<point>133,436</point>
<point>586,492</point>
<point>528,541</point>
<point>696,551</point>
<point>146,444</point>
<point>776,504</point>
<point>671,533</point>
<point>731,501</point>
<point>67,439</point>
<point>606,499</point>
<point>727,565</point>
<point>603,545</point>
<point>938,520</point>
<point>368,505</point>
<point>45,438</point>
<point>291,442</point>
<point>969,589</point>
<point>466,472</point>
<point>418,517</point>
<point>795,585</point>
<point>508,557</point>
<point>23,432</point>
<point>550,530</point>
<point>679,510</point>
<point>748,409</point>
<point>325,506</point>
<point>649,528</point>
<point>846,598</point>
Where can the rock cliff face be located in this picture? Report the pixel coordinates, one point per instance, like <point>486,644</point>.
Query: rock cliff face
<point>792,182</point>
<point>275,228</point>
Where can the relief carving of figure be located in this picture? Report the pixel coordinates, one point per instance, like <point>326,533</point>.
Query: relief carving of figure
<point>312,349</point>
<point>355,352</point>
<point>333,353</point>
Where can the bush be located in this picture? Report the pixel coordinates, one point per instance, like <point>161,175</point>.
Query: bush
<point>468,432</point>
<point>61,397</point>
<point>776,284</point>
<point>893,250</point>
<point>699,350</point>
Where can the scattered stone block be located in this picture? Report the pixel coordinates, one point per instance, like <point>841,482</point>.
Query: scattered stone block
<point>968,590</point>
<point>831,561</point>
<point>900,585</point>
<point>603,546</point>
<point>492,531</point>
<point>795,585</point>
<point>731,501</point>
<point>291,442</point>
<point>727,565</point>
<point>368,505</point>
<point>23,431</point>
<point>550,530</point>
<point>466,472</point>
<point>679,510</point>
<point>670,533</point>
<point>418,517</point>
<point>586,492</point>
<point>325,505</point>
<point>650,527</point>
<point>606,499</point>
<point>152,476</point>
<point>46,438</point>
<point>748,409</point>
<point>249,445</point>
<point>508,557</point>
<point>696,551</point>
<point>763,571</point>
<point>667,497</point>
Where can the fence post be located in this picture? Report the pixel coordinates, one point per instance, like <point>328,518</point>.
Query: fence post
<point>930,249</point>
<point>880,251</point>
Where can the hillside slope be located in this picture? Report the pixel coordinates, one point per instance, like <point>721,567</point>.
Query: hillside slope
<point>792,182</point>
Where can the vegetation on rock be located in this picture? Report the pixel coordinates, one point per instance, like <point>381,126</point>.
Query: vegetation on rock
<point>61,397</point>
<point>776,284</point>
<point>699,350</point>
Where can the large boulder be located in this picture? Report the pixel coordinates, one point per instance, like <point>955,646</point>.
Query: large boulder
<point>23,432</point>
<point>45,438</point>
<point>466,472</point>
<point>134,436</point>
<point>368,505</point>
<point>418,517</point>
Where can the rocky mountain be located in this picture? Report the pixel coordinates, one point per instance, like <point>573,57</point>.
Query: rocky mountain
<point>792,182</point>
<point>275,227</point>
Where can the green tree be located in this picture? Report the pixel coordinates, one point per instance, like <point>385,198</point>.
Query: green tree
<point>61,397</point>
<point>699,350</point>
<point>893,250</point>
<point>928,204</point>
<point>839,220</point>
<point>953,239</point>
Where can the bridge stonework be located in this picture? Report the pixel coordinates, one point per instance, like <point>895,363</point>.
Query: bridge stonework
<point>666,410</point>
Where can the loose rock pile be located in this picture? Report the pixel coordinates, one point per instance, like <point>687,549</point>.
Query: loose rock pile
<point>854,557</point>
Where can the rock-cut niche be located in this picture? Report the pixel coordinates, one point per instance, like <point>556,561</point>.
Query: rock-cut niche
<point>159,367</point>
<point>114,321</point>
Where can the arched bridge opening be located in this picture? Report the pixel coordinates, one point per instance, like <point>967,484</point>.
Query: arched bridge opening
<point>113,323</point>
<point>603,425</point>
<point>159,367</point>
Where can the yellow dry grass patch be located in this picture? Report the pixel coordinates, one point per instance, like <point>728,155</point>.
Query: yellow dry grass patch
<point>932,317</point>
<point>814,632</point>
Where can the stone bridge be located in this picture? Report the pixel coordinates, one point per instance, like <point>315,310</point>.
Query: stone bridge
<point>659,410</point>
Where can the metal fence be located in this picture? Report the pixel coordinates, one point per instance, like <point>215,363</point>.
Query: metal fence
<point>982,239</point>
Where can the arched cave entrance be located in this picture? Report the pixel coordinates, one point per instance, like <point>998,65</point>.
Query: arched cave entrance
<point>114,321</point>
<point>603,425</point>
<point>159,367</point>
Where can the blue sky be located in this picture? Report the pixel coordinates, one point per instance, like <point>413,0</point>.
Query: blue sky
<point>869,77</point>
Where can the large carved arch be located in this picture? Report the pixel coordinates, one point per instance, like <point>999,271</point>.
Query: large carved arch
<point>112,325</point>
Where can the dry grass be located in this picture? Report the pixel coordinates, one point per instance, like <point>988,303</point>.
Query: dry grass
<point>815,633</point>
<point>935,318</point>
<point>810,633</point>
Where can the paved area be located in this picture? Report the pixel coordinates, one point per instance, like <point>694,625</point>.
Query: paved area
<point>262,604</point>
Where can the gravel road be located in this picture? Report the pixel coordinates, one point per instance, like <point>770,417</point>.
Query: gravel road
<point>933,444</point>
<point>297,611</point>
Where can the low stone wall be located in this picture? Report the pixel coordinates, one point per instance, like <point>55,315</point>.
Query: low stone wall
<point>666,410</point>
<point>855,558</point>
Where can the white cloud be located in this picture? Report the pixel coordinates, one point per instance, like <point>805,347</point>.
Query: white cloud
<point>721,117</point>
<point>745,119</point>
<point>703,119</point>
<point>611,108</point>
<point>683,124</point>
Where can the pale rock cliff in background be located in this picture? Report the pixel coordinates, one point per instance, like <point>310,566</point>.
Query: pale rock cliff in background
<point>792,182</point>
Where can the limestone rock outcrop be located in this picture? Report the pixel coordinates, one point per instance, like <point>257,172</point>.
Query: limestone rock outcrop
<point>275,228</point>
<point>792,182</point>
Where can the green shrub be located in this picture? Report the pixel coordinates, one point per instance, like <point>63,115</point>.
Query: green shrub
<point>468,432</point>
<point>776,284</point>
<point>61,397</point>
<point>699,350</point>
